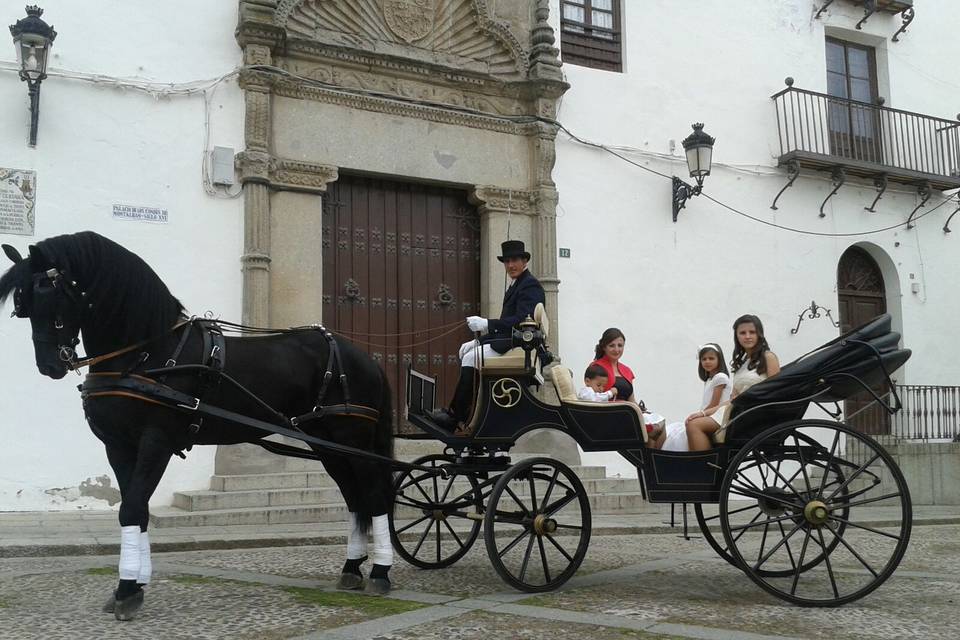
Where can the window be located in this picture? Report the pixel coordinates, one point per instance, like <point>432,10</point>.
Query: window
<point>852,76</point>
<point>590,33</point>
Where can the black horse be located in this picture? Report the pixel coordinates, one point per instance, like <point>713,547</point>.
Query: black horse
<point>87,285</point>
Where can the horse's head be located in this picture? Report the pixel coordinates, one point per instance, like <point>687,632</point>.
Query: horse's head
<point>54,303</point>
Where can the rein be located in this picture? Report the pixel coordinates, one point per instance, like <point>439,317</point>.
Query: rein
<point>74,365</point>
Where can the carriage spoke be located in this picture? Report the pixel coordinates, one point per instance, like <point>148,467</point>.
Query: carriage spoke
<point>803,462</point>
<point>754,523</point>
<point>453,533</point>
<point>789,551</point>
<point>796,573</point>
<point>826,468</point>
<point>426,532</point>
<point>560,504</point>
<point>410,502</point>
<point>786,483</point>
<point>852,551</point>
<point>730,513</point>
<point>411,524</point>
<point>853,476</point>
<point>826,559</point>
<point>569,526</point>
<point>543,559</point>
<point>864,527</point>
<point>847,505</point>
<point>446,491</point>
<point>526,557</point>
<point>553,483</point>
<point>763,541</point>
<point>559,548</point>
<point>759,495</point>
<point>513,543</point>
<point>526,512</point>
<point>533,493</point>
<point>436,489</point>
<point>744,530</point>
<point>777,546</point>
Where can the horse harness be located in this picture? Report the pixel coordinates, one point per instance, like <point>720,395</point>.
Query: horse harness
<point>149,386</point>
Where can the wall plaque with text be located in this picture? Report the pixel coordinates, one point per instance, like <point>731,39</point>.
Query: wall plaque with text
<point>140,214</point>
<point>18,192</point>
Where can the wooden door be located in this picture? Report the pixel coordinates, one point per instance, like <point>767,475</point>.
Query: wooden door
<point>401,271</point>
<point>862,298</point>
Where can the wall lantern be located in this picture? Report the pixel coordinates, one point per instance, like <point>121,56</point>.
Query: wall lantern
<point>699,149</point>
<point>32,37</point>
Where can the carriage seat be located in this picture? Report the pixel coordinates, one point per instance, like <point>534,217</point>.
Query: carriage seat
<point>512,362</point>
<point>562,379</point>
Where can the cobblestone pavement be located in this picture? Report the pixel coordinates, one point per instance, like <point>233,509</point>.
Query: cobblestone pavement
<point>630,586</point>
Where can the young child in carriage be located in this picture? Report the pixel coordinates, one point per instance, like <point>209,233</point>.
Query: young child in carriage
<point>712,370</point>
<point>595,381</point>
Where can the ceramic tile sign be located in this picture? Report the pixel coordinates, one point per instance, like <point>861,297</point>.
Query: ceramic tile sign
<point>140,214</point>
<point>18,193</point>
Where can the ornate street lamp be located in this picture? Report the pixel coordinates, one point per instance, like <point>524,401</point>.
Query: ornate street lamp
<point>699,149</point>
<point>32,37</point>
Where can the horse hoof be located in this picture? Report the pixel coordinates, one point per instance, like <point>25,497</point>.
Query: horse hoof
<point>377,587</point>
<point>127,608</point>
<point>109,604</point>
<point>350,582</point>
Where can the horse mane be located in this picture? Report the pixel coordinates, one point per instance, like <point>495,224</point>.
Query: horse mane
<point>128,299</point>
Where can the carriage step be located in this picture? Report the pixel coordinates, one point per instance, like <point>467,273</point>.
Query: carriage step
<point>218,500</point>
<point>600,504</point>
<point>310,479</point>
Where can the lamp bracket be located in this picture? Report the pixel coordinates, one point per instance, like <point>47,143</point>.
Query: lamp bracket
<point>869,8</point>
<point>838,177</point>
<point>880,182</point>
<point>823,8</point>
<point>907,16</point>
<point>946,225</point>
<point>682,192</point>
<point>813,311</point>
<point>793,172</point>
<point>924,191</point>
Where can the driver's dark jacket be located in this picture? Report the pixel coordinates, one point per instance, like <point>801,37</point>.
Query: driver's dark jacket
<point>519,301</point>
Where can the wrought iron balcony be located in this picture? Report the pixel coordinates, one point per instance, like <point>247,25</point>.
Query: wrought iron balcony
<point>824,132</point>
<point>929,413</point>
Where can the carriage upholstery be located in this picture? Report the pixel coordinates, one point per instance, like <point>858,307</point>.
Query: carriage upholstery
<point>836,369</point>
<point>512,362</point>
<point>562,379</point>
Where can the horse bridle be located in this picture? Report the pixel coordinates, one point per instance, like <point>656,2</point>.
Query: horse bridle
<point>54,294</point>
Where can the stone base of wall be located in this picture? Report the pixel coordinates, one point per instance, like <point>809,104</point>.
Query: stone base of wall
<point>932,470</point>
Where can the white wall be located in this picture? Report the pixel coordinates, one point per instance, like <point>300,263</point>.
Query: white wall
<point>99,145</point>
<point>671,287</point>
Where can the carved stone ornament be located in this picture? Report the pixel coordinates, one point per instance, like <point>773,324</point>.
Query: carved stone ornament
<point>284,175</point>
<point>470,37</point>
<point>409,19</point>
<point>505,200</point>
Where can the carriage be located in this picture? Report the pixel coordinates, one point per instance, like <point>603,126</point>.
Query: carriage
<point>811,510</point>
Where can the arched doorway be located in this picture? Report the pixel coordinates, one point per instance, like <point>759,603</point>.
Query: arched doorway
<point>862,296</point>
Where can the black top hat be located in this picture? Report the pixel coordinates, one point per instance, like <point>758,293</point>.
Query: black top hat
<point>513,249</point>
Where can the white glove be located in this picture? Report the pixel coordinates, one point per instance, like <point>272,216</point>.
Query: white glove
<point>477,324</point>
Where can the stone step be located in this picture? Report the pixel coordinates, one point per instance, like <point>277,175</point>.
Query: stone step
<point>603,504</point>
<point>216,500</point>
<point>312,479</point>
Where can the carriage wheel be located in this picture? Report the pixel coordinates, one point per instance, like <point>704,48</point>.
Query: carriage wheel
<point>446,515</point>
<point>751,511</point>
<point>805,490</point>
<point>537,526</point>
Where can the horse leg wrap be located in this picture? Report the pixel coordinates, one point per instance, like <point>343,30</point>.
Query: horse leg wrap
<point>129,552</point>
<point>356,539</point>
<point>382,548</point>
<point>146,566</point>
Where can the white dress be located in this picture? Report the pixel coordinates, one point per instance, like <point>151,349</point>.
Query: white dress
<point>676,439</point>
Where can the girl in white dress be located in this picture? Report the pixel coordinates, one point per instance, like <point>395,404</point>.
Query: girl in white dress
<point>753,362</point>
<point>716,392</point>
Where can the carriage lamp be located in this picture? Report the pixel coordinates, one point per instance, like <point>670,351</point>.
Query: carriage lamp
<point>32,38</point>
<point>699,149</point>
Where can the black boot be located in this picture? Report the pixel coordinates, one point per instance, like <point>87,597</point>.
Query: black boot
<point>459,410</point>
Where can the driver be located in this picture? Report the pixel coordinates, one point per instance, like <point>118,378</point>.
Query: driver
<point>519,301</point>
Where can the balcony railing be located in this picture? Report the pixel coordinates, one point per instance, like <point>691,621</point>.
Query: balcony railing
<point>867,140</point>
<point>929,413</point>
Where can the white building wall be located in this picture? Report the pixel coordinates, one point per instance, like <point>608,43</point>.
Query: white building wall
<point>102,143</point>
<point>671,287</point>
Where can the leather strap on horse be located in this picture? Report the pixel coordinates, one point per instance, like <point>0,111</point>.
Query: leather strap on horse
<point>148,390</point>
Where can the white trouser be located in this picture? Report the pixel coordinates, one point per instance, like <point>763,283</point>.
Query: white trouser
<point>469,352</point>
